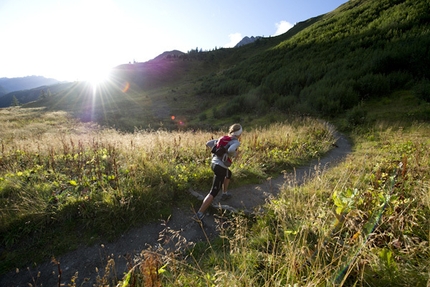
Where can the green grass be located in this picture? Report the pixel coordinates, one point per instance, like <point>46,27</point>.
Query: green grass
<point>364,222</point>
<point>65,177</point>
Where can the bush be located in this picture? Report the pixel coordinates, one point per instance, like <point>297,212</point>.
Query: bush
<point>203,117</point>
<point>400,80</point>
<point>215,113</point>
<point>371,85</point>
<point>422,90</point>
<point>356,116</point>
<point>286,104</point>
<point>346,94</point>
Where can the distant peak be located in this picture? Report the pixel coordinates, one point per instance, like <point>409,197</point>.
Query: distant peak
<point>169,54</point>
<point>247,40</point>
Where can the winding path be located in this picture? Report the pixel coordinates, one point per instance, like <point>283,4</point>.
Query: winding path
<point>179,228</point>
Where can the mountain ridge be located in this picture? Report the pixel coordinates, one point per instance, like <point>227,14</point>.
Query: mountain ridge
<point>247,40</point>
<point>25,83</point>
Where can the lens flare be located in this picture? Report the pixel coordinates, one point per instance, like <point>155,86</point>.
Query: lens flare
<point>126,87</point>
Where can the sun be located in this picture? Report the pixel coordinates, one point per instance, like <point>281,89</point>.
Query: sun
<point>95,51</point>
<point>96,75</point>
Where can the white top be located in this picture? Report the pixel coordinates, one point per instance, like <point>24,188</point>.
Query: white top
<point>233,145</point>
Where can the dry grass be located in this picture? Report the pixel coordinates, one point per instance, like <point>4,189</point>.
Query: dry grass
<point>59,172</point>
<point>363,224</point>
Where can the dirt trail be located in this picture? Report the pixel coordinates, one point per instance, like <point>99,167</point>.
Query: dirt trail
<point>87,260</point>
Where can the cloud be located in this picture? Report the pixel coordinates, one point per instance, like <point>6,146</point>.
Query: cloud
<point>234,39</point>
<point>282,27</point>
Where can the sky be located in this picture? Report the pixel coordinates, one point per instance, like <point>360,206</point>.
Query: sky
<point>72,40</point>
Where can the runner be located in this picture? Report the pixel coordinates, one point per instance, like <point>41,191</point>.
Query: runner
<point>220,164</point>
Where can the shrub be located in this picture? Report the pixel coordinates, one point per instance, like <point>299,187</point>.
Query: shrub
<point>203,117</point>
<point>422,90</point>
<point>371,85</point>
<point>356,116</point>
<point>286,104</point>
<point>400,80</point>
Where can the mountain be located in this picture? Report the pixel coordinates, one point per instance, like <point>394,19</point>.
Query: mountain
<point>170,54</point>
<point>24,83</point>
<point>3,91</point>
<point>29,95</point>
<point>325,66</point>
<point>247,40</point>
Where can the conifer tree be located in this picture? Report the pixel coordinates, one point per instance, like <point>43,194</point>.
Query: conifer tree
<point>15,102</point>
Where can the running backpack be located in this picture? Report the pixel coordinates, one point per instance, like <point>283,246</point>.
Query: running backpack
<point>221,148</point>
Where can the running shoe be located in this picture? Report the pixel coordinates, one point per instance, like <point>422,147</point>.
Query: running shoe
<point>225,196</point>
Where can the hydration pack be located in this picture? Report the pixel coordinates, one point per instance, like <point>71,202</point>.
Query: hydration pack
<point>221,147</point>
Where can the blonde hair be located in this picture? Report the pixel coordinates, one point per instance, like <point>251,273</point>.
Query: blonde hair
<point>235,129</point>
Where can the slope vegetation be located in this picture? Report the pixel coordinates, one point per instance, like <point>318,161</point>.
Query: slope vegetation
<point>325,66</point>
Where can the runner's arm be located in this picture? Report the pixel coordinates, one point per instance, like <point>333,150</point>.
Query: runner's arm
<point>211,143</point>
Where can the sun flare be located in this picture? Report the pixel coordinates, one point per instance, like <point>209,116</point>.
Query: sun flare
<point>98,78</point>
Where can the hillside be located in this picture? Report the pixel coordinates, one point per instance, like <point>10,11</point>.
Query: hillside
<point>8,85</point>
<point>325,66</point>
<point>362,50</point>
<point>33,94</point>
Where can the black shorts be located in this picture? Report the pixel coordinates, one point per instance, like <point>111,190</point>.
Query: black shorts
<point>220,173</point>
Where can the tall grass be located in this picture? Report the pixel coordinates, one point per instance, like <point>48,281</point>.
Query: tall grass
<point>59,176</point>
<point>364,222</point>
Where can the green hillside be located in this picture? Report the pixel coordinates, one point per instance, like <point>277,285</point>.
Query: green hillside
<point>34,94</point>
<point>325,66</point>
<point>362,50</point>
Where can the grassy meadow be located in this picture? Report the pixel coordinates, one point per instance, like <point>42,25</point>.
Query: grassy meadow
<point>59,176</point>
<point>364,222</point>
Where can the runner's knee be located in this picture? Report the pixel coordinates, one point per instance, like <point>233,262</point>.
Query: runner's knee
<point>214,192</point>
